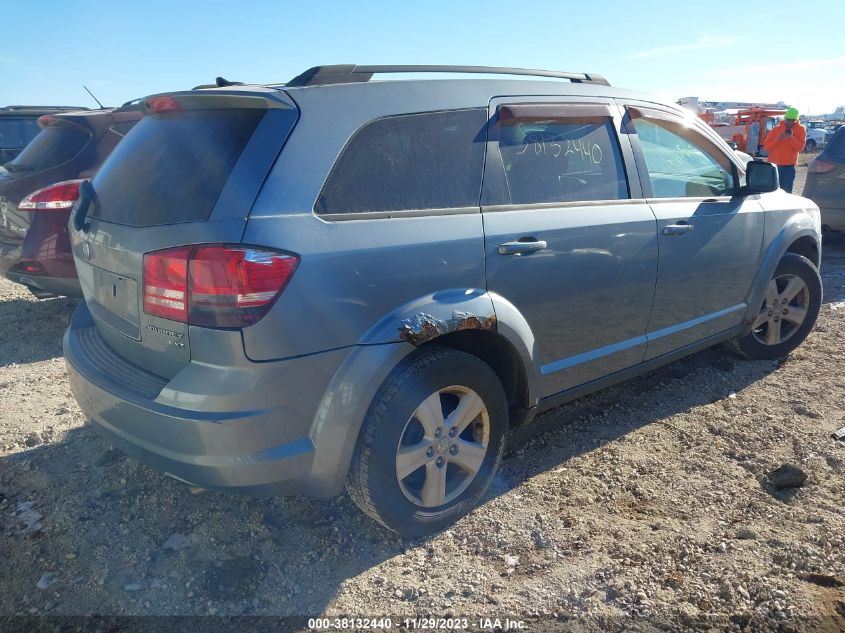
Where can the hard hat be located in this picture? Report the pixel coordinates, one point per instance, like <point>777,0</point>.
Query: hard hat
<point>791,113</point>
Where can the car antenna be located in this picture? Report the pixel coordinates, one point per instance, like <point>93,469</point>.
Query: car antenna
<point>102,107</point>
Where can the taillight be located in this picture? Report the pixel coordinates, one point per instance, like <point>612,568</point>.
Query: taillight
<point>215,285</point>
<point>58,197</point>
<point>166,283</point>
<point>817,166</point>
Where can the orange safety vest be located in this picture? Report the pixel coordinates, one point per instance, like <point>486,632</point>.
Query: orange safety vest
<point>784,151</point>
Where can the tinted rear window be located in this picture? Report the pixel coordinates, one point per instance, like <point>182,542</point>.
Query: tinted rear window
<point>171,168</point>
<point>54,145</point>
<point>17,133</point>
<point>431,160</point>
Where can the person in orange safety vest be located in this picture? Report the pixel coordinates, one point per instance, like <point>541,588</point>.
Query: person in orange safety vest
<point>783,144</point>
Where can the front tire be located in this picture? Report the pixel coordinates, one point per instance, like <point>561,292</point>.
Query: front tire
<point>789,311</point>
<point>431,442</point>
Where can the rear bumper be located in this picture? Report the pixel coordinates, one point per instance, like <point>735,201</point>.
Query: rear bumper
<point>267,450</point>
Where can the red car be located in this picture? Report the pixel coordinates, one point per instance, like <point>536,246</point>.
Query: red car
<point>40,186</point>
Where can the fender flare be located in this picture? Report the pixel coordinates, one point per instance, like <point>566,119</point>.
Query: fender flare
<point>429,317</point>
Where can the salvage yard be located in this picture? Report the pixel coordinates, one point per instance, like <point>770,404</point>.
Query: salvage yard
<point>654,498</point>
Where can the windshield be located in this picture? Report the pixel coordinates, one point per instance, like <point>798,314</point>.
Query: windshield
<point>54,145</point>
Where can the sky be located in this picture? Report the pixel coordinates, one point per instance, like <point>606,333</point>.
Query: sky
<point>718,51</point>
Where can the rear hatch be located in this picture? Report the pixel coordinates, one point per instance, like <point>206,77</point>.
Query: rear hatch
<point>186,174</point>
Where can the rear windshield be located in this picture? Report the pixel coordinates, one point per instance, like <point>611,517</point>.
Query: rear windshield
<point>17,133</point>
<point>172,167</point>
<point>54,145</point>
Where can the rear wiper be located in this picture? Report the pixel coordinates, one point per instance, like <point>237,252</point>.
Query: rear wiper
<point>83,204</point>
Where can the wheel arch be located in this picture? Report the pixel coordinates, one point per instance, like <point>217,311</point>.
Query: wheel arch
<point>471,320</point>
<point>806,246</point>
<point>800,234</point>
<point>481,323</point>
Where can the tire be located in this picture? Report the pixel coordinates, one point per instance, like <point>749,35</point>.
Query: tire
<point>810,146</point>
<point>776,332</point>
<point>402,430</point>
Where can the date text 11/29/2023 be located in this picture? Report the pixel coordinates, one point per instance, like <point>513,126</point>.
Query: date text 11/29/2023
<point>417,624</point>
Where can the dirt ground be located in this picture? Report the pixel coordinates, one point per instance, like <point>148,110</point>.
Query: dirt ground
<point>647,505</point>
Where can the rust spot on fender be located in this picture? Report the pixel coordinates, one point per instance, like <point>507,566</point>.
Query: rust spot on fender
<point>423,327</point>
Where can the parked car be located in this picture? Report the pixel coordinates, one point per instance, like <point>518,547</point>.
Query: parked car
<point>38,189</point>
<point>336,282</point>
<point>18,126</point>
<point>825,183</point>
<point>816,138</point>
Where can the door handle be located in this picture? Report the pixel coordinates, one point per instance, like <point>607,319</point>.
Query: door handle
<point>520,247</point>
<point>681,228</point>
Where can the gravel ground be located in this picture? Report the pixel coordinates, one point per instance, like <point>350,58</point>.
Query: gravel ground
<point>649,502</point>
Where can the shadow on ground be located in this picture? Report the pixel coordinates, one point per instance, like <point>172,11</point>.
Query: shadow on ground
<point>31,330</point>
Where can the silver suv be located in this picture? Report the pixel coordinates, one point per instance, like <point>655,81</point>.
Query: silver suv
<point>343,282</point>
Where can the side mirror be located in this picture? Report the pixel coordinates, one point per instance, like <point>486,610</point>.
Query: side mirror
<point>760,177</point>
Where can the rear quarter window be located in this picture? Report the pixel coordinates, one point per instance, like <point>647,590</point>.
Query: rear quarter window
<point>431,160</point>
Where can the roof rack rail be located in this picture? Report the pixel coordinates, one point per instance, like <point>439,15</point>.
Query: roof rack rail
<point>351,73</point>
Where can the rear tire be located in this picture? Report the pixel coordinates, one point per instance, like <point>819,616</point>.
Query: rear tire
<point>810,146</point>
<point>789,311</point>
<point>431,442</point>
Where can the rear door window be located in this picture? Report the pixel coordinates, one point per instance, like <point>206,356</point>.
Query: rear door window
<point>55,144</point>
<point>432,160</point>
<point>560,153</point>
<point>173,166</point>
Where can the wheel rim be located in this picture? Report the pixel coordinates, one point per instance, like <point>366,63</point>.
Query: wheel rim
<point>443,446</point>
<point>784,310</point>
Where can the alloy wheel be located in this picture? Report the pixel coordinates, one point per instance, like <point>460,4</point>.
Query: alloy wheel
<point>784,310</point>
<point>443,446</point>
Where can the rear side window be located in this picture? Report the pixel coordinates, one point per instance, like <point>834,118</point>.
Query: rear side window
<point>171,168</point>
<point>560,153</point>
<point>432,160</point>
<point>55,144</point>
<point>16,133</point>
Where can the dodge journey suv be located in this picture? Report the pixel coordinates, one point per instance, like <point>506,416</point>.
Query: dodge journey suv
<point>340,282</point>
